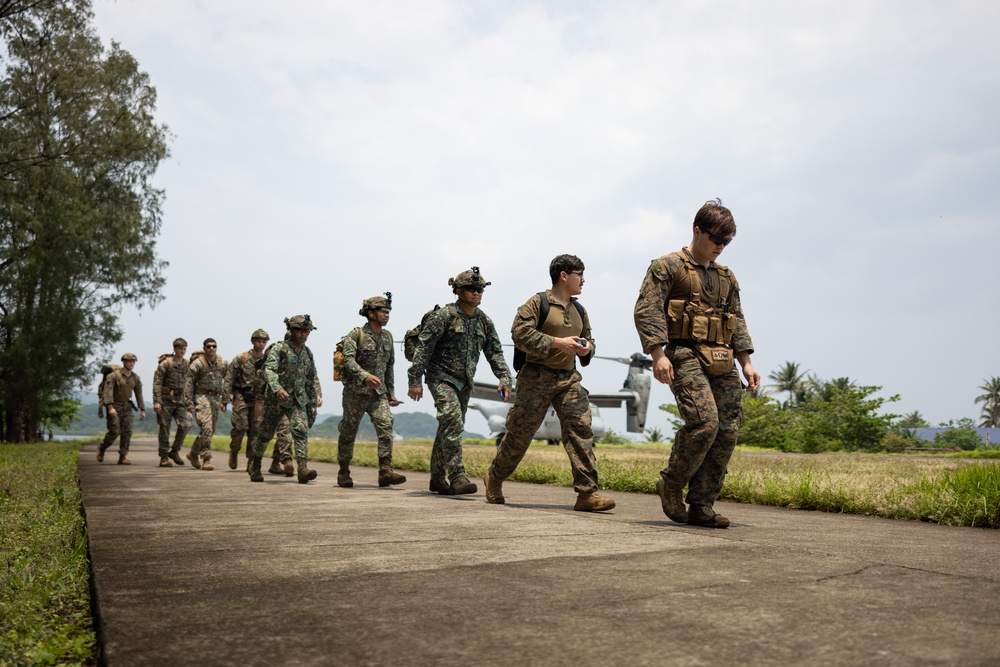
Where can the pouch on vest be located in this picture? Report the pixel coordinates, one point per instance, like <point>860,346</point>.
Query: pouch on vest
<point>715,360</point>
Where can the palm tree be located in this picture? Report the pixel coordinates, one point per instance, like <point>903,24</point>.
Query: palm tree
<point>913,420</point>
<point>654,434</point>
<point>990,401</point>
<point>789,378</point>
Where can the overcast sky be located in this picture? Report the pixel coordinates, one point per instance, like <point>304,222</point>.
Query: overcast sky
<point>324,152</point>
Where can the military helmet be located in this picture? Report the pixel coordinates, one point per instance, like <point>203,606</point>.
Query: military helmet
<point>259,333</point>
<point>375,302</point>
<point>128,356</point>
<point>299,322</point>
<point>470,278</point>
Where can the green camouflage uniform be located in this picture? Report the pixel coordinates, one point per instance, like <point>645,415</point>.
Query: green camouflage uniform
<point>169,382</point>
<point>118,391</point>
<point>204,392</point>
<point>545,381</point>
<point>447,353</point>
<point>367,353</point>
<point>295,372</point>
<point>712,407</point>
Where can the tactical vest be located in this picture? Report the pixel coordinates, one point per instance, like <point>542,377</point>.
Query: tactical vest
<point>211,379</point>
<point>692,320</point>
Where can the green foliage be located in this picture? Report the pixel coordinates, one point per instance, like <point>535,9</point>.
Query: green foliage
<point>654,434</point>
<point>961,434</point>
<point>765,424</point>
<point>844,417</point>
<point>44,574</point>
<point>675,416</point>
<point>78,214</point>
<point>990,398</point>
<point>969,496</point>
<point>613,438</point>
<point>789,378</point>
<point>912,420</point>
<point>896,443</point>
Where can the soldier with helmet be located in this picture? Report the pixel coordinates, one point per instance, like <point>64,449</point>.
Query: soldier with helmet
<point>690,320</point>
<point>239,388</point>
<point>170,404</point>
<point>369,387</point>
<point>447,352</point>
<point>204,393</point>
<point>119,387</point>
<point>289,391</point>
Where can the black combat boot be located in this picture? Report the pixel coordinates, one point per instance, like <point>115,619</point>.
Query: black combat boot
<point>255,474</point>
<point>386,476</point>
<point>305,474</point>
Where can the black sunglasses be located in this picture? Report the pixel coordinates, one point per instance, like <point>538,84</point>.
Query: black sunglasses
<point>211,347</point>
<point>478,290</point>
<point>716,239</point>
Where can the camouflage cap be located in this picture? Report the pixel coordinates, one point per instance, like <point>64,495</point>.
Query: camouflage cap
<point>471,278</point>
<point>128,356</point>
<point>374,302</point>
<point>259,333</point>
<point>299,322</point>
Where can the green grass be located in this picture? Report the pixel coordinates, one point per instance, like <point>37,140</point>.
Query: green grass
<point>44,574</point>
<point>946,489</point>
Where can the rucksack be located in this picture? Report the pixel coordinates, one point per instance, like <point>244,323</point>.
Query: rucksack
<point>520,356</point>
<point>106,370</point>
<point>338,356</point>
<point>163,357</point>
<point>410,339</point>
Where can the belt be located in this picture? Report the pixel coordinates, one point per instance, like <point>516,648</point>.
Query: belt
<point>203,392</point>
<point>684,342</point>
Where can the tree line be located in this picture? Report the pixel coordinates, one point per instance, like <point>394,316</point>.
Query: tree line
<point>79,216</point>
<point>841,415</point>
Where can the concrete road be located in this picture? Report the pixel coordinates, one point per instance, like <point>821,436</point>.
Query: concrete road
<point>205,568</point>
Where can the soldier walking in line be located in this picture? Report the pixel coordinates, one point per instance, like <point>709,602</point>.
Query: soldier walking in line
<point>447,352</point>
<point>119,386</point>
<point>552,330</point>
<point>290,391</point>
<point>690,320</point>
<point>204,392</point>
<point>369,387</point>
<point>239,389</point>
<point>170,404</point>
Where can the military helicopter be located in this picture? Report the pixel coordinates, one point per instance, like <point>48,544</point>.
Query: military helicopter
<point>634,395</point>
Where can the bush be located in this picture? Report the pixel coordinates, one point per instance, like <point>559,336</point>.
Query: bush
<point>895,443</point>
<point>960,435</point>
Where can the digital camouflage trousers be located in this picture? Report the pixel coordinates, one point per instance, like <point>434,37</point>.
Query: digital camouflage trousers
<point>446,454</point>
<point>712,410</point>
<point>356,405</point>
<point>538,388</point>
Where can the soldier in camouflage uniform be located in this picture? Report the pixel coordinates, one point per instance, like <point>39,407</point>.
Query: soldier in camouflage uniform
<point>448,349</point>
<point>689,319</point>
<point>118,389</point>
<point>169,403</point>
<point>281,455</point>
<point>204,393</point>
<point>549,379</point>
<point>290,391</point>
<point>239,388</point>
<point>369,387</point>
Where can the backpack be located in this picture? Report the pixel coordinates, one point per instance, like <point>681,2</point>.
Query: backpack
<point>338,356</point>
<point>282,363</point>
<point>520,356</point>
<point>106,371</point>
<point>410,339</point>
<point>163,357</point>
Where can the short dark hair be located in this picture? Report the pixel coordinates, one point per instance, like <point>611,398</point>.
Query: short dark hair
<point>714,218</point>
<point>180,342</point>
<point>207,341</point>
<point>567,263</point>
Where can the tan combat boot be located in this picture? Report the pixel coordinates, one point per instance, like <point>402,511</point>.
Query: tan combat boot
<point>275,468</point>
<point>699,515</point>
<point>344,475</point>
<point>207,465</point>
<point>165,462</point>
<point>123,461</point>
<point>193,458</point>
<point>672,501</point>
<point>494,490</point>
<point>289,468</point>
<point>386,476</point>
<point>255,473</point>
<point>591,502</point>
<point>305,474</point>
<point>462,485</point>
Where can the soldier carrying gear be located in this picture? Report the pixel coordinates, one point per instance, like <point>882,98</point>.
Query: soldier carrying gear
<point>119,386</point>
<point>374,303</point>
<point>299,322</point>
<point>471,278</point>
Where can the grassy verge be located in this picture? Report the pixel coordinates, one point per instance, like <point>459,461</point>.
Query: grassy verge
<point>44,575</point>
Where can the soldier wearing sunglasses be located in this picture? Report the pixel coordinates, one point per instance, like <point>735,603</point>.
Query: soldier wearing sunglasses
<point>690,320</point>
<point>448,348</point>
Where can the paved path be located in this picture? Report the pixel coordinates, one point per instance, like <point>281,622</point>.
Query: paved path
<point>204,568</point>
